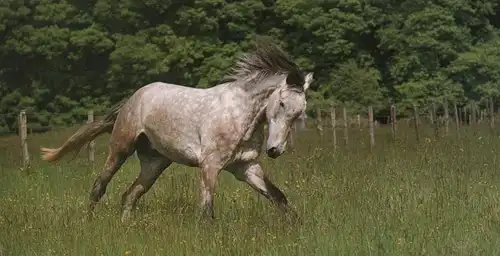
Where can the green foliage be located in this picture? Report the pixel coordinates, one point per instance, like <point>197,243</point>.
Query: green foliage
<point>59,58</point>
<point>427,90</point>
<point>478,70</point>
<point>357,87</point>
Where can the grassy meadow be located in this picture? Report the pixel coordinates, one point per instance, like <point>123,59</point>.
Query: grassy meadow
<point>438,197</point>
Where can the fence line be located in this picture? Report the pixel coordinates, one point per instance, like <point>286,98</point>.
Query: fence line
<point>23,133</point>
<point>346,131</point>
<point>334,127</point>
<point>469,118</point>
<point>393,121</point>
<point>416,122</point>
<point>91,146</point>
<point>446,118</point>
<point>319,121</point>
<point>371,125</point>
<point>457,120</point>
<point>492,114</point>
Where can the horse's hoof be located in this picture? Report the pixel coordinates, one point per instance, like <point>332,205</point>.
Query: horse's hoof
<point>293,217</point>
<point>296,219</point>
<point>90,212</point>
<point>90,216</point>
<point>125,216</point>
<point>206,218</point>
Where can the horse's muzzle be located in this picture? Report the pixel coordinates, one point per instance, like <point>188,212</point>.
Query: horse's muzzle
<point>273,152</point>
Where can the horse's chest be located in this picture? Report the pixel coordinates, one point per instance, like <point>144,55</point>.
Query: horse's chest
<point>250,149</point>
<point>247,154</point>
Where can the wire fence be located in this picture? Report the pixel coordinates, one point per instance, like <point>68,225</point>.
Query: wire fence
<point>335,118</point>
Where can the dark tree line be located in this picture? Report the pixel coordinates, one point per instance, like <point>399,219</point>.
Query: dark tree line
<point>60,58</point>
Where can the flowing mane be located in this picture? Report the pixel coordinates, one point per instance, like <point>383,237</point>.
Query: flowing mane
<point>267,59</point>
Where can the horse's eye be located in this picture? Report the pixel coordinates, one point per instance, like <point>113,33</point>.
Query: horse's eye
<point>282,104</point>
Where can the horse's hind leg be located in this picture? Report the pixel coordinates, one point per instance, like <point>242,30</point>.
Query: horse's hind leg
<point>119,150</point>
<point>113,163</point>
<point>152,166</point>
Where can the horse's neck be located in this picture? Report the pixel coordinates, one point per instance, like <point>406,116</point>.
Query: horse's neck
<point>259,104</point>
<point>258,119</point>
<point>257,96</point>
<point>260,92</point>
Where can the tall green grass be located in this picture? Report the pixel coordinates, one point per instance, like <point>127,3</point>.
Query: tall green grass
<point>438,197</point>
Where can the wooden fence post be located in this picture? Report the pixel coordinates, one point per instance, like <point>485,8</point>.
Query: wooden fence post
<point>457,120</point>
<point>23,133</point>
<point>460,117</point>
<point>393,121</point>
<point>431,114</point>
<point>91,146</point>
<point>446,118</point>
<point>464,116</point>
<point>492,116</point>
<point>346,127</point>
<point>415,122</point>
<point>371,127</point>
<point>319,121</point>
<point>334,126</point>
<point>473,113</point>
<point>302,119</point>
<point>435,122</point>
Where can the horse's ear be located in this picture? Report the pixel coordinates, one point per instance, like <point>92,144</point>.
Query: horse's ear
<point>309,79</point>
<point>295,78</point>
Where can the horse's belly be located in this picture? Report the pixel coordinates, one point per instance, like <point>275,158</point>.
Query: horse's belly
<point>181,153</point>
<point>185,156</point>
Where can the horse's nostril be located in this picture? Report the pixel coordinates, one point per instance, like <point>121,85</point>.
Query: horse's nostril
<point>272,151</point>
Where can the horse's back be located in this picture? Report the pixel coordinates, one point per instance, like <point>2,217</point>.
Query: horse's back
<point>183,122</point>
<point>170,116</point>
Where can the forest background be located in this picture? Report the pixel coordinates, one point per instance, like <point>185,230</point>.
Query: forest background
<point>58,59</point>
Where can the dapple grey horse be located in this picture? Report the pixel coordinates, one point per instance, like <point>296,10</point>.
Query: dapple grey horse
<point>218,128</point>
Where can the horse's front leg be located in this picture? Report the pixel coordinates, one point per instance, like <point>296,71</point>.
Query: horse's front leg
<point>208,180</point>
<point>253,175</point>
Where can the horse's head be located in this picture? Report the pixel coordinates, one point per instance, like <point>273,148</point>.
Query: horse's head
<point>285,105</point>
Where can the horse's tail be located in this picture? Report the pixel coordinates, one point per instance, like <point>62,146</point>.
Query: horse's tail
<point>84,135</point>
